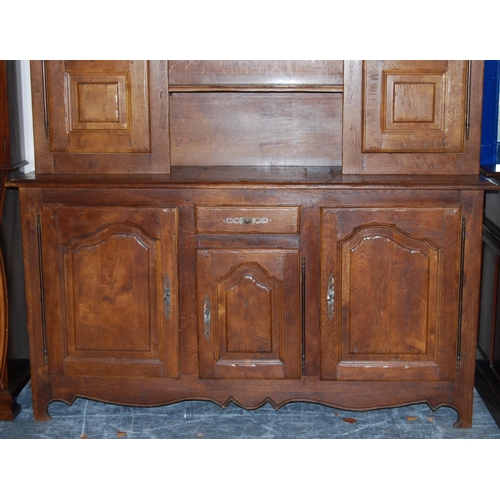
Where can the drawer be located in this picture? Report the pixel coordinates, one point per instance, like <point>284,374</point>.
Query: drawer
<point>260,220</point>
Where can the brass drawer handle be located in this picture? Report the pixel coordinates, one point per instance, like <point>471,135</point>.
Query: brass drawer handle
<point>246,221</point>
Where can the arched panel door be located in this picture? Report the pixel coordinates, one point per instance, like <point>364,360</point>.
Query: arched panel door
<point>391,278</point>
<point>107,276</point>
<point>249,313</point>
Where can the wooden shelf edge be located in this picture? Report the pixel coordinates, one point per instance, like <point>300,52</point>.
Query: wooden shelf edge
<point>256,88</point>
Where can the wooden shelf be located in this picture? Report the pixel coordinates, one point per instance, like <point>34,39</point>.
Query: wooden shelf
<point>254,88</point>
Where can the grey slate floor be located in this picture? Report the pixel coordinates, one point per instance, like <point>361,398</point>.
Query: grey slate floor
<point>204,420</point>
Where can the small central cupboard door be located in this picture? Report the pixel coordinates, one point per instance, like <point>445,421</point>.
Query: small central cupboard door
<point>249,313</point>
<point>110,290</point>
<point>390,278</point>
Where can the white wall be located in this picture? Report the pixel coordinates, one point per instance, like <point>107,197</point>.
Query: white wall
<point>27,117</point>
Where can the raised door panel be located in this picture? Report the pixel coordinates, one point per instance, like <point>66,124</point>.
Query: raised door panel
<point>401,116</point>
<point>110,290</point>
<point>249,314</point>
<point>391,279</point>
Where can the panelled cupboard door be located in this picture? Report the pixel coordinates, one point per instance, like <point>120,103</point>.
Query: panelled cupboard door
<point>100,116</point>
<point>98,106</point>
<point>390,278</point>
<point>110,290</point>
<point>248,313</point>
<point>401,116</point>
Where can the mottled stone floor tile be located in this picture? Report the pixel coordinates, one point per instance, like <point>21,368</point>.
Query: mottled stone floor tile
<point>205,420</point>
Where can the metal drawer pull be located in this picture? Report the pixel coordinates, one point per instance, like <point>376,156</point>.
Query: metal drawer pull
<point>246,221</point>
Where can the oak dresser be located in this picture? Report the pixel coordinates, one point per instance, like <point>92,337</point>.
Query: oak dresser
<point>254,231</point>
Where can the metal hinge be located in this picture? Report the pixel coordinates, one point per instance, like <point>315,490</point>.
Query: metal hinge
<point>303,308</point>
<point>468,100</point>
<point>45,100</point>
<point>461,293</point>
<point>42,288</point>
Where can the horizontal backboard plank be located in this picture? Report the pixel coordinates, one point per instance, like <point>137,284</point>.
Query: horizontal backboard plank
<point>256,129</point>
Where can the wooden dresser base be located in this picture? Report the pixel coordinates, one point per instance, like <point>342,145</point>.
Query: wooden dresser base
<point>172,290</point>
<point>346,395</point>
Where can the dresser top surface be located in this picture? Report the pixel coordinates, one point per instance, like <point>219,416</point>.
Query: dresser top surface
<point>254,177</point>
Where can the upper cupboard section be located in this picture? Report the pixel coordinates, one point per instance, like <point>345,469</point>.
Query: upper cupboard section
<point>412,117</point>
<point>100,116</point>
<point>364,116</point>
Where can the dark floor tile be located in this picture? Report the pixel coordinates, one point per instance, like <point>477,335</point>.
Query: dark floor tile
<point>205,420</point>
